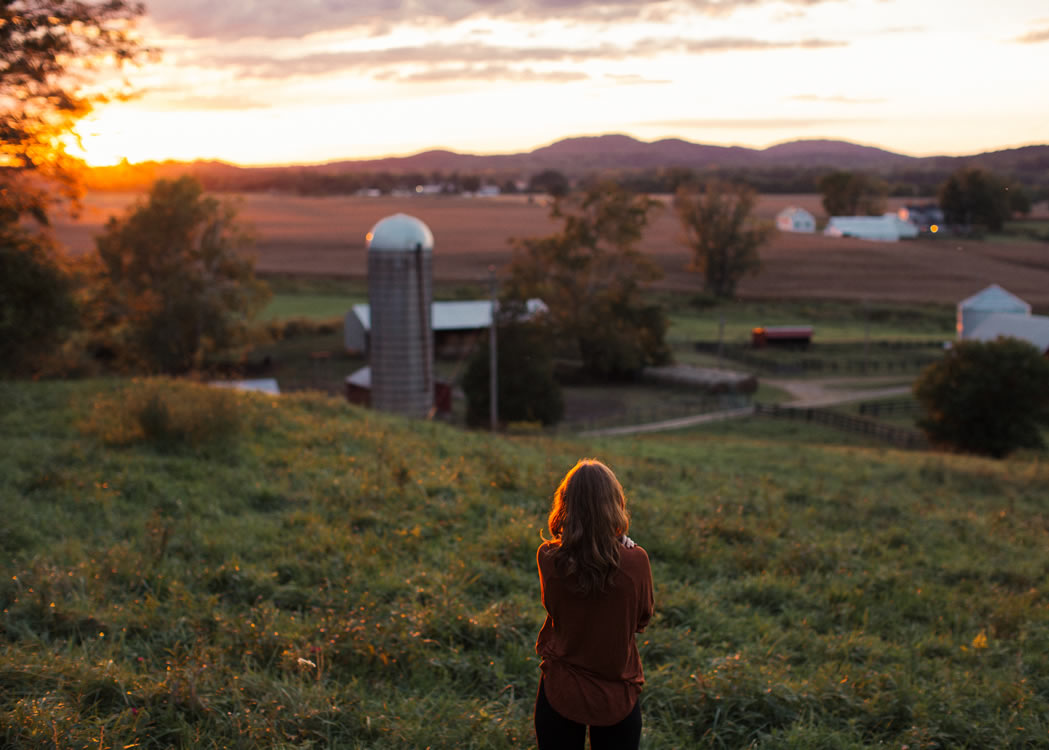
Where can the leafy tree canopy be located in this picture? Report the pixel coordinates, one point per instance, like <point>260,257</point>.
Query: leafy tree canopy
<point>975,197</point>
<point>986,397</point>
<point>722,233</point>
<point>853,194</point>
<point>170,284</point>
<point>48,51</point>
<point>527,390</point>
<point>36,299</point>
<point>590,275</point>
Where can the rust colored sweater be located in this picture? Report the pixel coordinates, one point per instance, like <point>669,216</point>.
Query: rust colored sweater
<point>591,668</point>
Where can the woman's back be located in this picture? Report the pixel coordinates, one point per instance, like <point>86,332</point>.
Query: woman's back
<point>590,659</point>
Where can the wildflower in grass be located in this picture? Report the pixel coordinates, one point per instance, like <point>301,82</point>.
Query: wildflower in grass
<point>980,641</point>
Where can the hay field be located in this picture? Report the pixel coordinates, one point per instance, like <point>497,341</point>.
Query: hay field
<point>325,236</point>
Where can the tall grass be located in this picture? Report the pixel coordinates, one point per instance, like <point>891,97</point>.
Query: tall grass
<point>335,577</point>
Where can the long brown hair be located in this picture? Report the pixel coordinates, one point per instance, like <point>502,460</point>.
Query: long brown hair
<point>587,519</point>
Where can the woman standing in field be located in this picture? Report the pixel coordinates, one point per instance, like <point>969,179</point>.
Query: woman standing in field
<point>596,586</point>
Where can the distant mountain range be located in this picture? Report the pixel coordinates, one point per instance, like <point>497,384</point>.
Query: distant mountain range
<point>576,157</point>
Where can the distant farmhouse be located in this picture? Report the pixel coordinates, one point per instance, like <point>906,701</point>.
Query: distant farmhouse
<point>928,217</point>
<point>885,228</point>
<point>794,219</point>
<point>994,313</point>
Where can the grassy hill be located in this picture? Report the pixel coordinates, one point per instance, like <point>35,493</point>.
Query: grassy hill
<point>228,570</point>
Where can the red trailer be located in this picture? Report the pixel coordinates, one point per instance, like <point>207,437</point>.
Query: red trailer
<point>790,337</point>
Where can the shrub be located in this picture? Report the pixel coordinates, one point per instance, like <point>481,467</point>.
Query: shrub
<point>986,397</point>
<point>527,389</point>
<point>165,412</point>
<point>36,300</point>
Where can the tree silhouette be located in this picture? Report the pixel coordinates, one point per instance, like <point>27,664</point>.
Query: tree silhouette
<point>49,53</point>
<point>590,275</point>
<point>722,233</point>
<point>170,285</point>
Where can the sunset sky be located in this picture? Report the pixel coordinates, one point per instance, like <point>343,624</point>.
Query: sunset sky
<point>276,82</point>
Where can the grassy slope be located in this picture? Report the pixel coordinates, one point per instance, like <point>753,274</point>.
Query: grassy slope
<point>340,577</point>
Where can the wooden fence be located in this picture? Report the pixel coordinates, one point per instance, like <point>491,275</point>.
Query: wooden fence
<point>835,361</point>
<point>898,436</point>
<point>887,408</point>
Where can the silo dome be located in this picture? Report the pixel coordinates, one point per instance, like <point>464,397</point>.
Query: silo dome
<point>400,232</point>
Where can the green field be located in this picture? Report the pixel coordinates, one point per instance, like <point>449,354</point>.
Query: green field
<point>301,573</point>
<point>831,321</point>
<point>312,306</point>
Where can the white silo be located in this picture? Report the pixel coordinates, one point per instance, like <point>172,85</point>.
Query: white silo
<point>991,301</point>
<point>400,295</point>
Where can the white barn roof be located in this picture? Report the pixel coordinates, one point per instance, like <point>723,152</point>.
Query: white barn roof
<point>1033,329</point>
<point>885,228</point>
<point>261,385</point>
<point>454,316</point>
<point>995,299</point>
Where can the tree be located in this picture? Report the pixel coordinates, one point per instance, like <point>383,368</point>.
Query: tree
<point>722,233</point>
<point>549,181</point>
<point>169,285</point>
<point>527,390</point>
<point>47,50</point>
<point>1019,200</point>
<point>853,194</point>
<point>975,197</point>
<point>37,307</point>
<point>590,275</point>
<point>986,397</point>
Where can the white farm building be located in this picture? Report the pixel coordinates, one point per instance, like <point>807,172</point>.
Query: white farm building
<point>455,324</point>
<point>794,219</point>
<point>1034,329</point>
<point>884,228</point>
<point>995,313</point>
<point>992,301</point>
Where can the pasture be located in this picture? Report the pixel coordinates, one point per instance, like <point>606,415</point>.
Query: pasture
<point>327,576</point>
<point>325,237</point>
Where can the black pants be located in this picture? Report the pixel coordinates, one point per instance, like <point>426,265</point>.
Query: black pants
<point>554,732</point>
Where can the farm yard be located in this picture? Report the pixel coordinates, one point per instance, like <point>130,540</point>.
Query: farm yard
<point>325,237</point>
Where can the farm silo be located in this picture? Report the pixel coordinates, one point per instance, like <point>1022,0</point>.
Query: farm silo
<point>991,301</point>
<point>400,295</point>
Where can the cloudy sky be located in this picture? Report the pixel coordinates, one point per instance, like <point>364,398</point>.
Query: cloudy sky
<point>276,81</point>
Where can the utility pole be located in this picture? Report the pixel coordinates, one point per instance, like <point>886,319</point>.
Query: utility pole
<point>721,336</point>
<point>493,356</point>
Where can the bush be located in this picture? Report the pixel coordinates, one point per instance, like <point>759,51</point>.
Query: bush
<point>527,389</point>
<point>986,397</point>
<point>36,300</point>
<point>165,412</point>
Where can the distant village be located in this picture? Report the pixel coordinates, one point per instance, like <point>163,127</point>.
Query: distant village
<point>907,223</point>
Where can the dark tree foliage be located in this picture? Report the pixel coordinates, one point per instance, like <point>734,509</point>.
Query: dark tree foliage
<point>975,197</point>
<point>48,48</point>
<point>37,307</point>
<point>590,275</point>
<point>549,181</point>
<point>853,194</point>
<point>986,397</point>
<point>722,233</point>
<point>1019,200</point>
<point>527,389</point>
<point>170,284</point>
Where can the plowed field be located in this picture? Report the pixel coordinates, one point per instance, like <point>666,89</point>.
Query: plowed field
<point>325,236</point>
